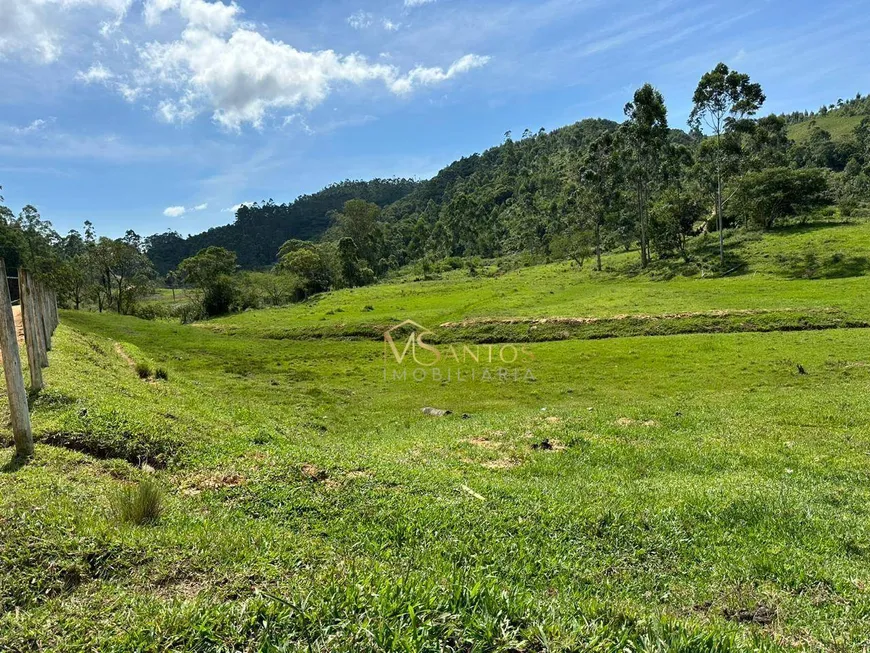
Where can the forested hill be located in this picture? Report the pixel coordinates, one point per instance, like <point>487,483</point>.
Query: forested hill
<point>260,229</point>
<point>512,197</point>
<point>527,170</point>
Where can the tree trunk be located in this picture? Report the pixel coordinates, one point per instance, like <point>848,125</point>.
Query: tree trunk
<point>31,335</point>
<point>643,261</point>
<point>719,219</point>
<point>598,245</point>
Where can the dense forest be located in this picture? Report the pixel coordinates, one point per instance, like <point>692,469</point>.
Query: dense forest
<point>261,228</point>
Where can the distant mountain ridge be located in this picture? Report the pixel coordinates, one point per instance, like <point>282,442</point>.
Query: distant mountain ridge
<point>498,174</point>
<point>261,228</point>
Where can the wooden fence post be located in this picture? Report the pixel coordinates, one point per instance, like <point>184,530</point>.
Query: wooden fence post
<point>55,318</point>
<point>38,330</point>
<point>42,321</point>
<point>18,411</point>
<point>31,336</point>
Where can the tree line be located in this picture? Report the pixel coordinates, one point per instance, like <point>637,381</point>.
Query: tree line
<point>84,269</point>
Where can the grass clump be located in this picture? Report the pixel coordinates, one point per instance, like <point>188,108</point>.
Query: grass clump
<point>143,370</point>
<point>161,374</point>
<point>141,505</point>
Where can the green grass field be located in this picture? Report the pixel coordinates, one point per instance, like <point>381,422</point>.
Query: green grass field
<point>688,492</point>
<point>840,127</point>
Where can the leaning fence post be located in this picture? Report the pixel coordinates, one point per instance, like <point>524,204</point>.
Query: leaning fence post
<point>31,337</point>
<point>42,321</point>
<point>18,411</point>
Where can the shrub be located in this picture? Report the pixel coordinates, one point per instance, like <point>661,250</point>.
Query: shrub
<point>161,373</point>
<point>189,312</point>
<point>765,197</point>
<point>140,505</point>
<point>847,208</point>
<point>143,370</point>
<point>150,311</point>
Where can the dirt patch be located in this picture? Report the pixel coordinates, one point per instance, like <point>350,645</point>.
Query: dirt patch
<point>19,329</point>
<point>760,614</point>
<point>627,421</point>
<point>484,443</point>
<point>501,463</point>
<point>212,481</point>
<point>553,419</point>
<point>313,473</point>
<point>618,318</point>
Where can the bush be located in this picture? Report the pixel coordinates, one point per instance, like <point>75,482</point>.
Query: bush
<point>765,197</point>
<point>150,311</point>
<point>143,370</point>
<point>140,505</point>
<point>848,207</point>
<point>189,312</point>
<point>161,373</point>
<point>219,296</point>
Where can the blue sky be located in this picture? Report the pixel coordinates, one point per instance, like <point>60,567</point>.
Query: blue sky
<point>167,113</point>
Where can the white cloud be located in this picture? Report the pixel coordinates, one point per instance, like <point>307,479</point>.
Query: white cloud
<point>422,76</point>
<point>37,29</point>
<point>178,211</point>
<point>174,211</point>
<point>235,208</point>
<point>217,65</point>
<point>360,19</point>
<point>34,126</point>
<point>417,3</point>
<point>242,78</point>
<point>97,73</point>
<point>215,17</point>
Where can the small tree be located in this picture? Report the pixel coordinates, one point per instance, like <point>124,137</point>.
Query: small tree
<point>599,185</point>
<point>645,138</point>
<point>211,271</point>
<point>311,266</point>
<point>723,96</point>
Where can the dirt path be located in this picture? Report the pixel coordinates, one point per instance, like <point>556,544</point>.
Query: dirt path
<point>19,324</point>
<point>19,330</point>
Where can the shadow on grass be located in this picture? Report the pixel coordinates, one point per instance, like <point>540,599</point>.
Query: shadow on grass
<point>836,266</point>
<point>15,463</point>
<point>806,227</point>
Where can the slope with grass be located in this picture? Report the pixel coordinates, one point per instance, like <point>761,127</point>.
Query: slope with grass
<point>840,127</point>
<point>795,272</point>
<point>694,492</point>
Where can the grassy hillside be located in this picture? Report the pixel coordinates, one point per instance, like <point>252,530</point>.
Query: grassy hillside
<point>691,492</point>
<point>772,273</point>
<point>841,127</point>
